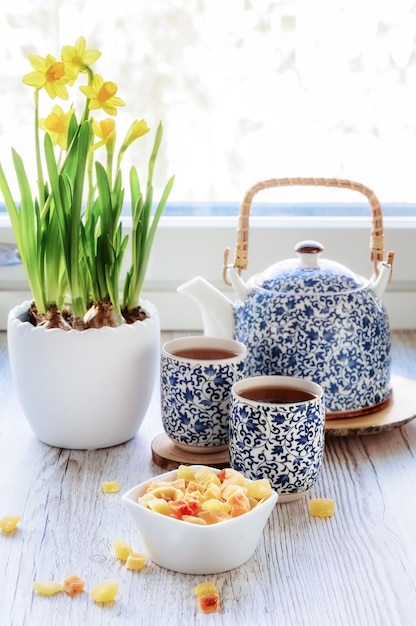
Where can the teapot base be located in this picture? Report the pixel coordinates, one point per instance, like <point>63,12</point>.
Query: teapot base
<point>367,410</point>
<point>397,414</point>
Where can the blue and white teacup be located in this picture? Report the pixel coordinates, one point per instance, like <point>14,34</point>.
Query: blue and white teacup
<point>197,374</point>
<point>277,431</point>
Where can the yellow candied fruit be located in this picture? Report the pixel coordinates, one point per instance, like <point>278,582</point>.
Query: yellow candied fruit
<point>105,591</point>
<point>215,505</point>
<point>111,487</point>
<point>195,487</point>
<point>47,588</point>
<point>258,489</point>
<point>185,472</point>
<point>136,560</point>
<point>322,507</point>
<point>205,588</point>
<point>159,505</point>
<point>206,477</point>
<point>213,492</point>
<point>166,491</point>
<point>234,477</point>
<point>229,489</point>
<point>122,549</point>
<point>9,523</point>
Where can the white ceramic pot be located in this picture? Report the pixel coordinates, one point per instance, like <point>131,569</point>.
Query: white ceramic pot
<point>84,389</point>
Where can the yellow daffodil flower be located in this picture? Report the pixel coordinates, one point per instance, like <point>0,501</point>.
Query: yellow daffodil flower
<point>49,74</point>
<point>77,58</point>
<point>56,125</point>
<point>136,130</point>
<point>102,95</point>
<point>106,131</point>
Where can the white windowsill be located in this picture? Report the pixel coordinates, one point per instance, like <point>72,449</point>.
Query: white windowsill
<point>185,247</point>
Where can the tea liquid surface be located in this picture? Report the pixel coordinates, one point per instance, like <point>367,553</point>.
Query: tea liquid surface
<point>205,354</point>
<point>277,395</point>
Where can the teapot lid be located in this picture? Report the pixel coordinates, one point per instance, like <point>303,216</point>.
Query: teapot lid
<point>309,274</point>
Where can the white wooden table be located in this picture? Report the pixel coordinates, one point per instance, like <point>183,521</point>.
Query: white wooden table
<point>357,568</point>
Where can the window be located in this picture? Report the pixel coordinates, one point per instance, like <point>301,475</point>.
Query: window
<point>247,90</point>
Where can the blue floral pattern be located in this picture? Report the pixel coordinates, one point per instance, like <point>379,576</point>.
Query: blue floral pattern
<point>195,400</point>
<point>339,340</point>
<point>284,445</point>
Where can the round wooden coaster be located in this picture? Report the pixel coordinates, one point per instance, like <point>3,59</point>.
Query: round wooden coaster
<point>168,456</point>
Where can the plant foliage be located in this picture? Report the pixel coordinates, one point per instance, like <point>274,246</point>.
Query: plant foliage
<point>69,231</point>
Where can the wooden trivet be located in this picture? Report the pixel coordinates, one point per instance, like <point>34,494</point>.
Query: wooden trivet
<point>168,456</point>
<point>401,410</point>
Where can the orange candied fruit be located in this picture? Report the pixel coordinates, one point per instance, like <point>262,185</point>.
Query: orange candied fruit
<point>209,603</point>
<point>73,584</point>
<point>208,597</point>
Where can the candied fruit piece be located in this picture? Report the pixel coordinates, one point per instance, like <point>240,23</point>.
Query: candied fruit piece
<point>209,603</point>
<point>185,472</point>
<point>111,487</point>
<point>206,477</point>
<point>213,492</point>
<point>47,588</point>
<point>216,505</point>
<point>105,591</point>
<point>146,499</point>
<point>229,489</point>
<point>9,523</point>
<point>73,584</point>
<point>221,475</point>
<point>253,502</point>
<point>167,492</point>
<point>213,517</point>
<point>159,505</point>
<point>259,489</point>
<point>205,588</point>
<point>192,519</point>
<point>136,560</point>
<point>179,483</point>
<point>233,477</point>
<point>122,549</point>
<point>322,507</point>
<point>194,487</point>
<point>185,507</point>
<point>239,503</point>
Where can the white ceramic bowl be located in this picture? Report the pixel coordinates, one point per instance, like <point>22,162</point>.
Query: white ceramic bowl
<point>192,549</point>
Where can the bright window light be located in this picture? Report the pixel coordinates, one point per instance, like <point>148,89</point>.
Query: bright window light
<point>246,89</point>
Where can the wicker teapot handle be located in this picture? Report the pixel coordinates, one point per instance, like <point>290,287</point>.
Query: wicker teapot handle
<point>377,232</point>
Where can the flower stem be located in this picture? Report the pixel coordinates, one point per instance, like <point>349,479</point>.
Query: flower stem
<point>41,183</point>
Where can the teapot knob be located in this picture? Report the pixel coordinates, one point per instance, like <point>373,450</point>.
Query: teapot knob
<point>309,252</point>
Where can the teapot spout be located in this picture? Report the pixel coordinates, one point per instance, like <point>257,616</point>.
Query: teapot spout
<point>379,283</point>
<point>217,310</point>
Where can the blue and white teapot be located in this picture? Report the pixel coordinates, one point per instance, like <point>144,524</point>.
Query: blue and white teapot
<point>308,316</point>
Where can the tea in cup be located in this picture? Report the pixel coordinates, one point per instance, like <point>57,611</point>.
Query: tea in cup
<point>277,431</point>
<point>197,374</point>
